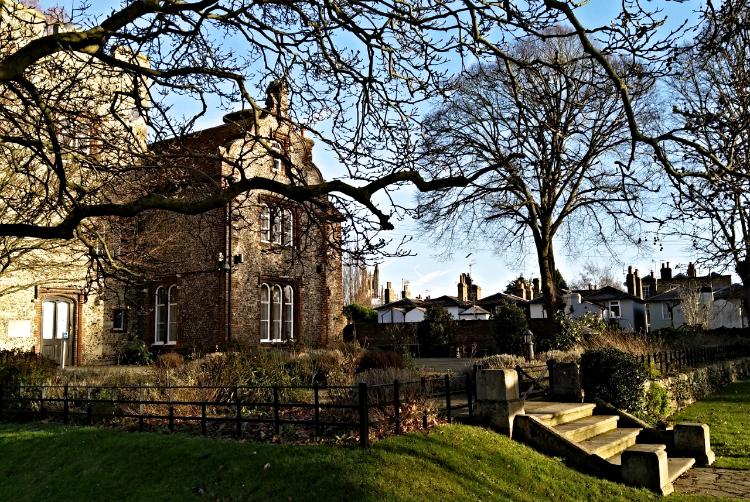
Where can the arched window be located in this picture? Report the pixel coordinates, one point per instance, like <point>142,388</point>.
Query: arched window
<point>265,313</point>
<point>160,313</point>
<point>265,223</point>
<point>288,313</point>
<point>165,315</point>
<point>288,227</point>
<point>172,315</point>
<point>276,312</point>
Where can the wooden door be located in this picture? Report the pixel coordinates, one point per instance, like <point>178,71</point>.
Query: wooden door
<point>57,329</point>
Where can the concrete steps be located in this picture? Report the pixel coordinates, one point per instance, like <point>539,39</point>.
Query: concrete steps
<point>646,464</point>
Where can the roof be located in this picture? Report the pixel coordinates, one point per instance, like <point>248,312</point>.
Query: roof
<point>447,301</point>
<point>498,297</point>
<point>671,295</point>
<point>609,293</point>
<point>402,303</point>
<point>474,309</point>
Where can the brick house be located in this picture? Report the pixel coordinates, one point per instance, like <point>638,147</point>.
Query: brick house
<point>263,269</point>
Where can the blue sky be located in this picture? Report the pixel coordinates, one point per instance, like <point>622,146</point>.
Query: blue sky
<point>432,272</point>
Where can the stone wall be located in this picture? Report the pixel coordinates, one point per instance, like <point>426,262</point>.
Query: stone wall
<point>686,388</point>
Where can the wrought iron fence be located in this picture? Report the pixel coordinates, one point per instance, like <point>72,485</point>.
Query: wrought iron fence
<point>359,408</point>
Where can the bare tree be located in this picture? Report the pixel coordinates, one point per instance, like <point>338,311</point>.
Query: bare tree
<point>549,135</point>
<point>358,287</point>
<point>595,275</point>
<point>711,92</point>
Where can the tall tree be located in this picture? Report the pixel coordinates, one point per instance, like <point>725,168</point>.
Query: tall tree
<point>711,90</point>
<point>549,138</point>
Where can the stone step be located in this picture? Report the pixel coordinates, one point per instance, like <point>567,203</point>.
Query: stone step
<point>588,427</point>
<point>554,414</point>
<point>679,466</point>
<point>610,443</point>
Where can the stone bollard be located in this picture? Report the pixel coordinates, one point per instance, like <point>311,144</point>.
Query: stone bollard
<point>565,382</point>
<point>694,440</point>
<point>497,402</point>
<point>647,465</point>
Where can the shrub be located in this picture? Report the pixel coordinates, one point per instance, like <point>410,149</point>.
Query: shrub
<point>502,361</point>
<point>656,402</point>
<point>571,332</point>
<point>437,332</point>
<point>360,313</point>
<point>613,376</point>
<point>171,360</point>
<point>137,353</point>
<point>508,325</point>
<point>27,368</point>
<point>380,359</point>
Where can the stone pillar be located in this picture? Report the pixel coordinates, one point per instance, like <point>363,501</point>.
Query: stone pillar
<point>647,465</point>
<point>497,401</point>
<point>694,440</point>
<point>565,382</point>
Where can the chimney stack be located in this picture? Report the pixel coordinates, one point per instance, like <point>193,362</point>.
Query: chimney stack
<point>691,270</point>
<point>405,293</point>
<point>463,292</point>
<point>521,290</point>
<point>390,293</point>
<point>666,272</point>
<point>630,282</point>
<point>638,284</point>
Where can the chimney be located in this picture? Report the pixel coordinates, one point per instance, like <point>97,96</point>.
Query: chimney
<point>691,270</point>
<point>655,289</point>
<point>476,292</point>
<point>529,292</point>
<point>390,293</point>
<point>630,282</point>
<point>405,293</point>
<point>537,287</point>
<point>277,98</point>
<point>463,292</point>
<point>638,285</point>
<point>666,272</point>
<point>520,290</point>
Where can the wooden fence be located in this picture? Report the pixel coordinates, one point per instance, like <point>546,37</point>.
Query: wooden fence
<point>358,408</point>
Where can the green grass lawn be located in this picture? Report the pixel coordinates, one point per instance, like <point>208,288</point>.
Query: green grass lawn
<point>727,412</point>
<point>40,462</point>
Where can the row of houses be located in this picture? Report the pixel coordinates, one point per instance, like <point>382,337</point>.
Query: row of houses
<point>648,304</point>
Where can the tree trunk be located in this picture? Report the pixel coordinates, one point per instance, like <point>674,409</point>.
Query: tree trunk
<point>547,271</point>
<point>743,270</point>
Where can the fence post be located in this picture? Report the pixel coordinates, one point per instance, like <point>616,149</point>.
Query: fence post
<point>469,399</point>
<point>448,397</point>
<point>397,404</point>
<point>88,405</point>
<point>65,404</point>
<point>42,401</point>
<point>317,408</point>
<point>276,425</point>
<point>423,381</point>
<point>364,425</point>
<point>171,409</point>
<point>203,410</point>
<point>2,392</point>
<point>140,409</point>
<point>239,411</point>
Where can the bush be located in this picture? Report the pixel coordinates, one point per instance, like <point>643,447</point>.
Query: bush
<point>613,376</point>
<point>27,368</point>
<point>171,360</point>
<point>360,313</point>
<point>437,333</point>
<point>656,402</point>
<point>508,325</point>
<point>571,332</point>
<point>137,353</point>
<point>380,359</point>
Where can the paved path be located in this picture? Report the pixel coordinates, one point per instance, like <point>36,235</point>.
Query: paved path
<point>716,482</point>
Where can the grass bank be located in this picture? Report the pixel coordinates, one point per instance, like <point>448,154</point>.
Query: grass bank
<point>727,412</point>
<point>42,462</point>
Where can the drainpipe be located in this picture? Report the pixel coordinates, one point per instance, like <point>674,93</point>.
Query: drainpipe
<point>228,268</point>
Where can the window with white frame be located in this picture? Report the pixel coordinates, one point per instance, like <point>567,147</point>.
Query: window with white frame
<point>165,315</point>
<point>276,225</point>
<point>276,312</point>
<point>276,150</point>
<point>614,309</point>
<point>646,291</point>
<point>666,311</point>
